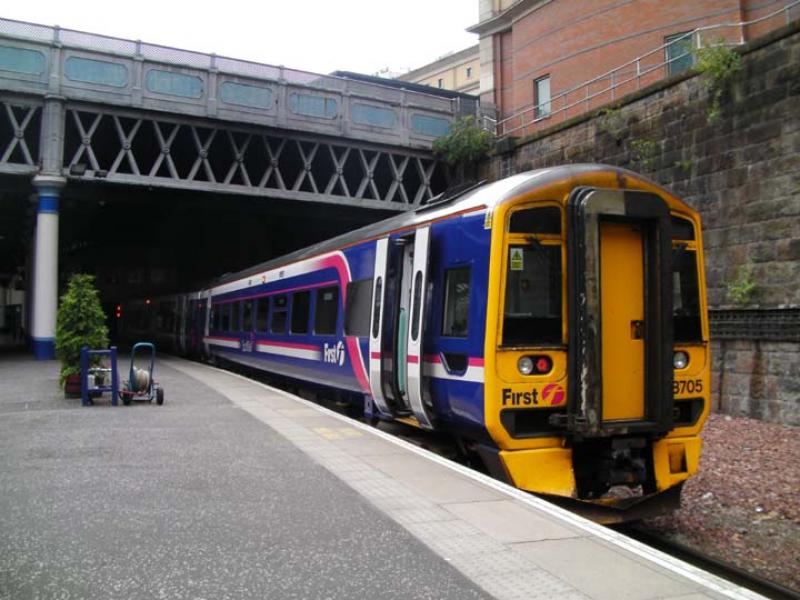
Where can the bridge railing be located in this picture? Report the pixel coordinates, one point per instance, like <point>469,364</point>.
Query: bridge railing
<point>626,78</point>
<point>253,92</point>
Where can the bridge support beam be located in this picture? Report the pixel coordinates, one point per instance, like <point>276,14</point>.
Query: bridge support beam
<point>45,261</point>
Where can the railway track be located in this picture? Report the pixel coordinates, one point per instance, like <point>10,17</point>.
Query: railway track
<point>727,571</point>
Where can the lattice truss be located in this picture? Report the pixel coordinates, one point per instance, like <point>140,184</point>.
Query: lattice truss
<point>143,150</point>
<point>20,125</point>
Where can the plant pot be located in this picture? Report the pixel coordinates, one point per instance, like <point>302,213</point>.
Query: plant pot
<point>72,386</point>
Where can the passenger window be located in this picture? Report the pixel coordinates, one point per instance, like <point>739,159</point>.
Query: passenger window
<point>417,306</point>
<point>225,311</point>
<point>236,322</point>
<point>356,313</point>
<point>247,316</point>
<point>277,323</point>
<point>456,302</point>
<point>533,295</point>
<point>261,309</point>
<point>301,301</point>
<point>327,310</point>
<point>376,309</point>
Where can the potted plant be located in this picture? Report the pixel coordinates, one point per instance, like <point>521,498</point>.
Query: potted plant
<point>80,322</point>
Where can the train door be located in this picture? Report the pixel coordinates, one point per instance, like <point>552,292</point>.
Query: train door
<point>183,320</point>
<point>398,317</point>
<point>416,329</point>
<point>620,335</point>
<point>379,371</point>
<point>622,320</point>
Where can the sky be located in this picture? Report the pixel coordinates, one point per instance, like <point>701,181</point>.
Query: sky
<point>313,35</point>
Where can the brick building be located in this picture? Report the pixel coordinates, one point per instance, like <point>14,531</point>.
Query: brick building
<point>533,52</point>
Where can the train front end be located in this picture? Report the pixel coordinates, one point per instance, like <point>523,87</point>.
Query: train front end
<point>597,354</point>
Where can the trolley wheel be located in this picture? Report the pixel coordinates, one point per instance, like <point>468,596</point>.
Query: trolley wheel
<point>160,396</point>
<point>126,399</point>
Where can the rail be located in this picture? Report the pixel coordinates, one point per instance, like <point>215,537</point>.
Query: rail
<point>619,81</point>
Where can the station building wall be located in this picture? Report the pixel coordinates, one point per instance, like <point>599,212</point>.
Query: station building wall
<point>573,41</point>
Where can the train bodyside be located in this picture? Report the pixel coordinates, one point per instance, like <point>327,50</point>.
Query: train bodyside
<point>314,320</point>
<point>539,319</point>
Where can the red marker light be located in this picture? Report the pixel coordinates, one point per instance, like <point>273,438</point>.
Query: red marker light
<point>543,364</point>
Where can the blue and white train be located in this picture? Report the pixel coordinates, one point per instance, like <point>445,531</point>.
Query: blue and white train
<point>554,322</point>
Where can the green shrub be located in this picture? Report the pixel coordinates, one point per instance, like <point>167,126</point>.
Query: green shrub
<point>718,65</point>
<point>464,147</point>
<point>644,152</point>
<point>742,290</point>
<point>611,121</point>
<point>80,322</point>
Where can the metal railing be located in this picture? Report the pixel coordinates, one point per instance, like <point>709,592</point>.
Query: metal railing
<point>619,81</point>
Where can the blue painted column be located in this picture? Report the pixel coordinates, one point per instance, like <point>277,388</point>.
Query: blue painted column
<point>45,276</point>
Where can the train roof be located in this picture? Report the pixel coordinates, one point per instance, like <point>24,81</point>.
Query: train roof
<point>486,195</point>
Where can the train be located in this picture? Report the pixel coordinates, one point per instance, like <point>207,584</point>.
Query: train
<point>553,323</point>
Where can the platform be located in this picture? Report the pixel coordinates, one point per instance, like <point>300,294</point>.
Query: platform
<point>233,489</point>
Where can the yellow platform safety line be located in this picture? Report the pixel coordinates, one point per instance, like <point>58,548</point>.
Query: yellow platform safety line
<point>338,433</point>
<point>412,421</point>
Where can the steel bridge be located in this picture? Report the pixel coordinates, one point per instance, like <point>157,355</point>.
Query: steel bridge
<point>78,107</point>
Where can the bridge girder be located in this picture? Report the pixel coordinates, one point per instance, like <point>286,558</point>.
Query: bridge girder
<point>151,149</point>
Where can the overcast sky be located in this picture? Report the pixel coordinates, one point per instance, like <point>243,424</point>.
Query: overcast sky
<point>313,35</point>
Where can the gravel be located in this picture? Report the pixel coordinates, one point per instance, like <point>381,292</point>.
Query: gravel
<point>743,507</point>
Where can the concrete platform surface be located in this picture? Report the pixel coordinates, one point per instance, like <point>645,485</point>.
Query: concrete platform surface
<point>235,490</point>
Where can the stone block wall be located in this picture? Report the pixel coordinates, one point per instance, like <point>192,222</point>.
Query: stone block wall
<point>742,172</point>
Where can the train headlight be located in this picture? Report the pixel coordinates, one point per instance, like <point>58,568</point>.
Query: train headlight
<point>534,365</point>
<point>525,365</point>
<point>680,360</point>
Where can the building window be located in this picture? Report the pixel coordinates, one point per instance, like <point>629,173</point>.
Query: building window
<point>469,72</point>
<point>439,82</point>
<point>541,97</point>
<point>678,53</point>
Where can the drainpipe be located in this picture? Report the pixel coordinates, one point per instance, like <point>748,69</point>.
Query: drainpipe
<point>742,19</point>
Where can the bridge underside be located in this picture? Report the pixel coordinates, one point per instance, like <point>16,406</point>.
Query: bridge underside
<point>156,150</point>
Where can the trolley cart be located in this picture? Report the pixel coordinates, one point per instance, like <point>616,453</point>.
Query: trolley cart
<point>140,385</point>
